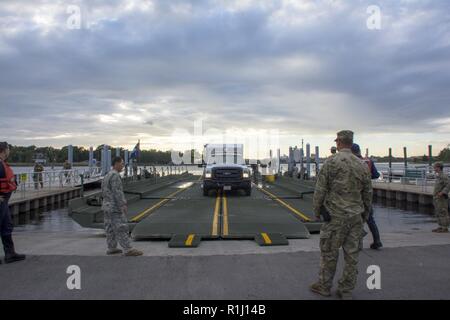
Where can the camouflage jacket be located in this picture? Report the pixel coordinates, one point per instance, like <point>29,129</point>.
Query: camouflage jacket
<point>344,187</point>
<point>112,192</point>
<point>442,184</point>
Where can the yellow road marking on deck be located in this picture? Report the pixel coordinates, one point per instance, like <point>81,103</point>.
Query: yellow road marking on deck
<point>156,206</point>
<point>189,239</point>
<point>215,226</point>
<point>304,217</point>
<point>225,215</point>
<point>266,238</point>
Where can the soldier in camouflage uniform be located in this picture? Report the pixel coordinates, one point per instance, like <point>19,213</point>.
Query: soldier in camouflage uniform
<point>114,207</point>
<point>333,150</point>
<point>344,191</point>
<point>37,175</point>
<point>440,195</point>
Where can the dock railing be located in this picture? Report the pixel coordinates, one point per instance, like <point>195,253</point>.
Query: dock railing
<point>55,179</point>
<point>423,178</point>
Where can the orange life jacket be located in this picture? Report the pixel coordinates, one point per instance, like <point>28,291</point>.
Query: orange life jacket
<point>8,183</point>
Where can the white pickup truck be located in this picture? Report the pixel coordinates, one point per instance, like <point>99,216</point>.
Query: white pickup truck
<point>225,169</point>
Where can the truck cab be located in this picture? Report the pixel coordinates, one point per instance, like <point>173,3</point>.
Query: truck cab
<point>225,169</point>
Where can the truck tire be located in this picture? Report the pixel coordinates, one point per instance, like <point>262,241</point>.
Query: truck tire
<point>205,192</point>
<point>248,192</point>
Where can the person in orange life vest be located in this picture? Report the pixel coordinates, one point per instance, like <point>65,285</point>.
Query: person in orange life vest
<point>7,186</point>
<point>356,150</point>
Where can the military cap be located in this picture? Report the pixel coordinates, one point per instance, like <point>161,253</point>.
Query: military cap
<point>356,149</point>
<point>345,135</point>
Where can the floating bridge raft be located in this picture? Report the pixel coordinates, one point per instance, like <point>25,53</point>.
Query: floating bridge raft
<point>174,208</point>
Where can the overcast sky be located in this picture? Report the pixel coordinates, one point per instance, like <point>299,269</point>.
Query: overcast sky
<point>148,69</point>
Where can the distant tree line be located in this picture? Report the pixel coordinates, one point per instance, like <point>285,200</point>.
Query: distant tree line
<point>444,155</point>
<point>80,154</point>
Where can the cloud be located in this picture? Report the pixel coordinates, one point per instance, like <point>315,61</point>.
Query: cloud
<point>306,68</point>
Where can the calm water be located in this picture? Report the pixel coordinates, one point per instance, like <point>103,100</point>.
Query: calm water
<point>51,219</point>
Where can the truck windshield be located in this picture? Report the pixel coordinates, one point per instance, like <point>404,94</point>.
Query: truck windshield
<point>224,154</point>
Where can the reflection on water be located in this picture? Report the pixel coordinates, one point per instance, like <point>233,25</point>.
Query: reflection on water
<point>390,215</point>
<point>404,205</point>
<point>393,215</point>
<point>54,218</point>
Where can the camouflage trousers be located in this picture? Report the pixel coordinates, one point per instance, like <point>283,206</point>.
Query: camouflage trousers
<point>337,233</point>
<point>441,210</point>
<point>117,230</point>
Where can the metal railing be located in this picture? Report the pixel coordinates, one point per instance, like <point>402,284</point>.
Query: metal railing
<point>47,180</point>
<point>53,179</point>
<point>153,171</point>
<point>423,178</point>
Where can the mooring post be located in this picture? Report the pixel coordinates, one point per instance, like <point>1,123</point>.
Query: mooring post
<point>308,161</point>
<point>91,157</point>
<point>104,160</point>
<point>302,169</point>
<point>291,157</point>
<point>390,164</point>
<point>279,164</point>
<point>430,157</point>
<point>70,154</point>
<point>405,156</point>
<point>317,158</point>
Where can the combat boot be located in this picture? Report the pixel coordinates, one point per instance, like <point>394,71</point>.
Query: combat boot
<point>113,251</point>
<point>442,230</point>
<point>133,253</point>
<point>317,288</point>
<point>437,230</point>
<point>10,253</point>
<point>344,295</point>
